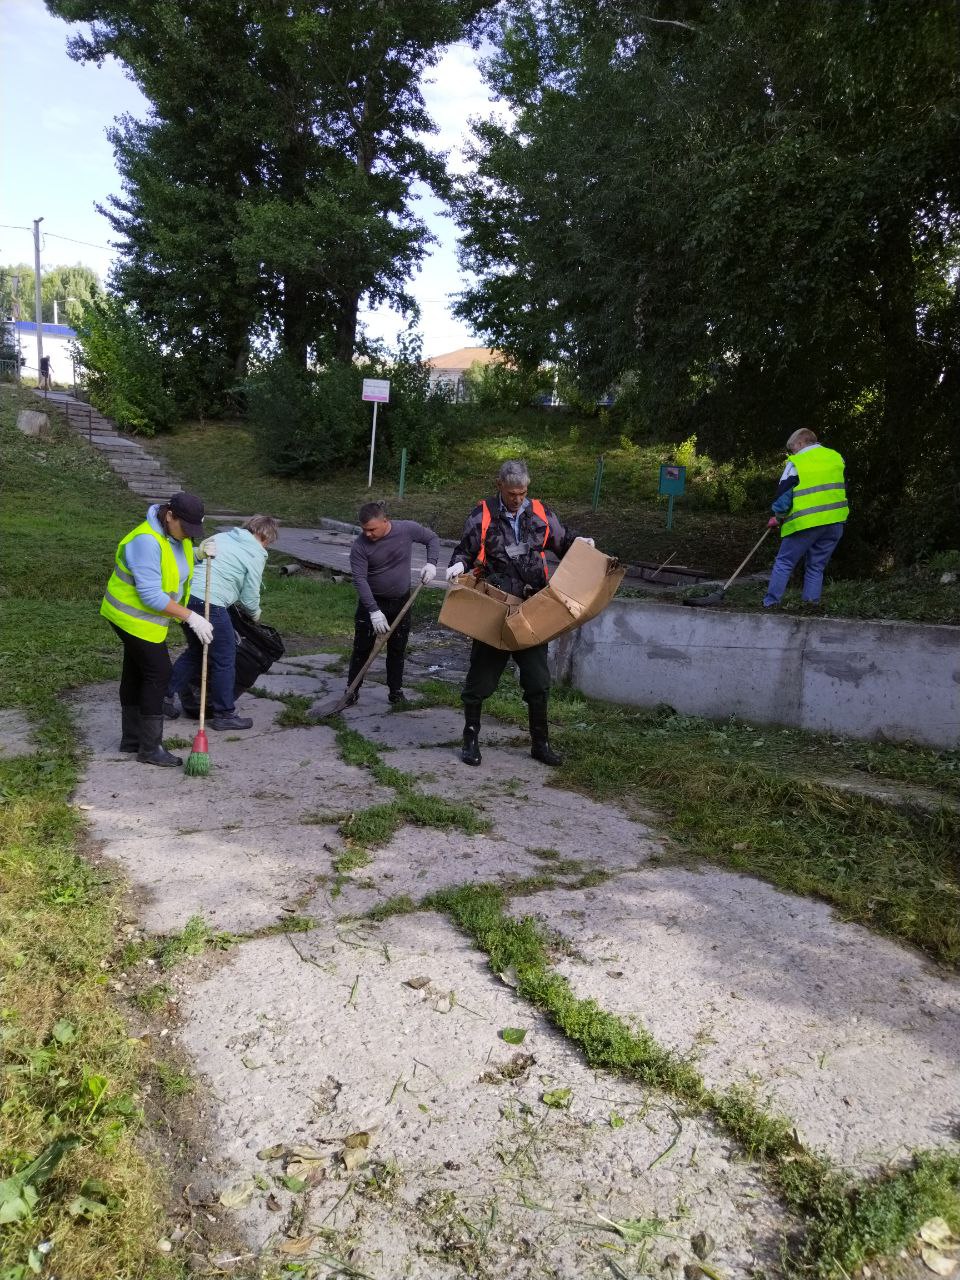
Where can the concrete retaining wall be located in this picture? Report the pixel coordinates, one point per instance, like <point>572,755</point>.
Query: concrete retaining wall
<point>892,680</point>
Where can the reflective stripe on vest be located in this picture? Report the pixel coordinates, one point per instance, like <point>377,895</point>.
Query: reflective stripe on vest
<point>121,603</point>
<point>820,496</point>
<point>538,509</point>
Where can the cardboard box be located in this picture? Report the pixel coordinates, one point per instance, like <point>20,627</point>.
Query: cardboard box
<point>582,585</point>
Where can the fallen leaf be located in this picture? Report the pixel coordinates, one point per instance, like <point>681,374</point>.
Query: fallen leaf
<point>937,1262</point>
<point>64,1032</point>
<point>509,976</point>
<point>513,1035</point>
<point>557,1098</point>
<point>308,1171</point>
<point>273,1204</point>
<point>937,1232</point>
<point>702,1244</point>
<point>298,1246</point>
<point>238,1195</point>
<point>614,973</point>
<point>294,1184</point>
<point>307,1153</point>
<point>417,983</point>
<point>272,1153</point>
<point>359,1139</point>
<point>84,1207</point>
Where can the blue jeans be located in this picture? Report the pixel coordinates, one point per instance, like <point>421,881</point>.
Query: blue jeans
<point>814,546</point>
<point>222,660</point>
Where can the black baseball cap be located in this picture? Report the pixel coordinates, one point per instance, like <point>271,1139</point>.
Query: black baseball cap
<point>188,509</point>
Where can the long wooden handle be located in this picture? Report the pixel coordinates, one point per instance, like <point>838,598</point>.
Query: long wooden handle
<point>203,665</point>
<point>747,558</point>
<point>381,641</point>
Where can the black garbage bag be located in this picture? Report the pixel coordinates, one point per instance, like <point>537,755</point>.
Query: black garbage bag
<point>259,646</point>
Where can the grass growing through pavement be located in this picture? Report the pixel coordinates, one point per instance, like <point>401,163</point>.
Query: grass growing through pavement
<point>750,799</point>
<point>376,825</point>
<point>69,1068</point>
<point>844,1224</point>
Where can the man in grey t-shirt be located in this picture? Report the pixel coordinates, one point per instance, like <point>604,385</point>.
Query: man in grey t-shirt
<point>380,561</point>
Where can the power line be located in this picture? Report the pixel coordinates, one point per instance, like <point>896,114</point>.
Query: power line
<point>51,235</point>
<point>9,227</point>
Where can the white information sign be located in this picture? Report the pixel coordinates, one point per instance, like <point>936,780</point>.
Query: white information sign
<point>377,390</point>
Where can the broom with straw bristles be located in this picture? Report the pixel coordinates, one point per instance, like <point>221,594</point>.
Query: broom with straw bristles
<point>198,761</point>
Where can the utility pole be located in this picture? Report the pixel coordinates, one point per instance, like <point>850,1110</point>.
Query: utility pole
<point>38,306</point>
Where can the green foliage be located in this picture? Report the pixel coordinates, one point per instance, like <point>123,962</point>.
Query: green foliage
<point>124,367</point>
<point>700,213</point>
<point>242,216</point>
<point>72,286</point>
<point>307,422</point>
<point>503,386</point>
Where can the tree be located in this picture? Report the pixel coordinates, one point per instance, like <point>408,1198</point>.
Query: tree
<point>72,286</point>
<point>751,208</point>
<point>273,184</point>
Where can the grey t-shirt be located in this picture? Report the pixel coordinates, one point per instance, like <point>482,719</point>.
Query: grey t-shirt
<point>382,568</point>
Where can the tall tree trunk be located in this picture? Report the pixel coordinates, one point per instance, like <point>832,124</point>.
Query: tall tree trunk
<point>902,367</point>
<point>345,335</point>
<point>294,338</point>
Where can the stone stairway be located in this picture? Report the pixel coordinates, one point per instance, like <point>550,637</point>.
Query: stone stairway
<point>145,474</point>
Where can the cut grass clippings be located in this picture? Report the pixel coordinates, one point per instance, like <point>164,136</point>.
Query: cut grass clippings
<point>749,799</point>
<point>844,1224</point>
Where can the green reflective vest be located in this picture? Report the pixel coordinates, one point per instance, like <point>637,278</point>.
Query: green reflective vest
<point>122,605</point>
<point>820,496</point>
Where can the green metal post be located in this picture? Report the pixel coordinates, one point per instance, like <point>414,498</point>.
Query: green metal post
<point>598,480</point>
<point>403,470</point>
<point>670,511</point>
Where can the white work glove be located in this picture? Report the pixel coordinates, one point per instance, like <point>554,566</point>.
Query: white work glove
<point>208,548</point>
<point>200,627</point>
<point>456,570</point>
<point>428,573</point>
<point>589,541</point>
<point>379,622</point>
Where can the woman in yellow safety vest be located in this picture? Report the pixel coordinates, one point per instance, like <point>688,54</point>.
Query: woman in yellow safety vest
<point>151,575</point>
<point>811,510</point>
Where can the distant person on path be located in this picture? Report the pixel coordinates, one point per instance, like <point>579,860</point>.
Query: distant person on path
<point>152,573</point>
<point>810,509</point>
<point>239,557</point>
<point>381,563</point>
<point>505,540</point>
<point>46,370</point>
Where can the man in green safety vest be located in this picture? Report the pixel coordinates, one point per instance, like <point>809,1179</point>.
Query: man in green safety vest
<point>811,509</point>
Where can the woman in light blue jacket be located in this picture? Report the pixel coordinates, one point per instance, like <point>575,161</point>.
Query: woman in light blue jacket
<point>238,557</point>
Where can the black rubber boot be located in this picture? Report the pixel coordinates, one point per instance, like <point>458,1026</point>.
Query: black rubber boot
<point>470,754</point>
<point>540,734</point>
<point>152,750</point>
<point>129,728</point>
<point>232,721</point>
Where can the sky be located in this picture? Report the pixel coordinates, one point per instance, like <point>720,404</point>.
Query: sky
<point>56,162</point>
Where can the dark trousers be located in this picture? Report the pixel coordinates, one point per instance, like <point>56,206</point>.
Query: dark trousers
<point>487,666</point>
<point>221,660</point>
<point>146,670</point>
<point>364,638</point>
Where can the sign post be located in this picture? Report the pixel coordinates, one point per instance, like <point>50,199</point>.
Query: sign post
<point>673,481</point>
<point>377,391</point>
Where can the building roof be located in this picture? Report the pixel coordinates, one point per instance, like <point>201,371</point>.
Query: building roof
<point>464,357</point>
<point>49,330</point>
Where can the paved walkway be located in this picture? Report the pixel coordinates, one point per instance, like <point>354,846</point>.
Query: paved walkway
<point>360,1102</point>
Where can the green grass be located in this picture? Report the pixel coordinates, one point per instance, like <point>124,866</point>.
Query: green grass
<point>750,799</point>
<point>908,595</point>
<point>69,1066</point>
<point>845,1223</point>
<point>220,461</point>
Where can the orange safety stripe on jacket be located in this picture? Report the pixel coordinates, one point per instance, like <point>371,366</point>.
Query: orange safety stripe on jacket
<point>538,509</point>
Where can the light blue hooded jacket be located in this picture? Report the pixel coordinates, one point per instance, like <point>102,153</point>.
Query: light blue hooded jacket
<point>236,571</point>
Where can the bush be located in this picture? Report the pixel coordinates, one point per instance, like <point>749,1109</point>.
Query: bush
<point>418,417</point>
<point>501,386</point>
<point>124,367</point>
<point>307,421</point>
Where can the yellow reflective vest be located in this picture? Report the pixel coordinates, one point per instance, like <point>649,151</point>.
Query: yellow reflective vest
<point>122,605</point>
<point>820,495</point>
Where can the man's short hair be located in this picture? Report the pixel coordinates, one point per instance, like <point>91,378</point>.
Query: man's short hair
<point>801,438</point>
<point>371,511</point>
<point>265,527</point>
<point>514,472</point>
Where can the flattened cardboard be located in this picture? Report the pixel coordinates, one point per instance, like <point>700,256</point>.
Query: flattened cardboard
<point>582,585</point>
